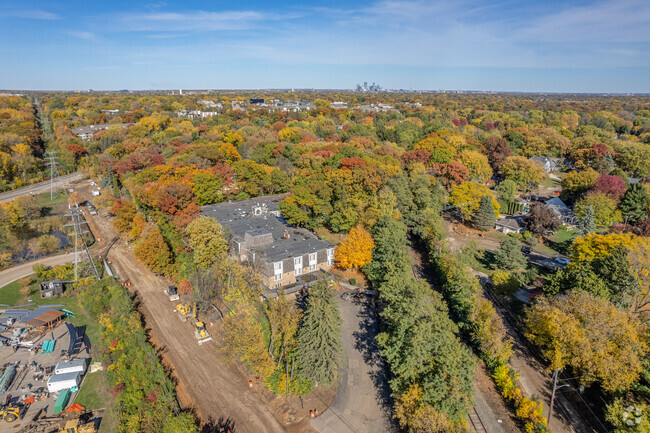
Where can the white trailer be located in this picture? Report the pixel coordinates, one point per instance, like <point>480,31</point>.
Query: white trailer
<point>77,365</point>
<point>59,382</point>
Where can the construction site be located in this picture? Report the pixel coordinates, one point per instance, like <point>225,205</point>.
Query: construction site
<point>44,361</point>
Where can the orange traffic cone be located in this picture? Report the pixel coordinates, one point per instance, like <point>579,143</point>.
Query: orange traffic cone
<point>250,383</point>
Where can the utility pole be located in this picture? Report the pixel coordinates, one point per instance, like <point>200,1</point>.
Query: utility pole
<point>80,254</point>
<point>556,373</point>
<point>55,177</point>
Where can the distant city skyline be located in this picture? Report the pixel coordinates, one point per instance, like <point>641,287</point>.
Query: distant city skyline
<point>579,46</point>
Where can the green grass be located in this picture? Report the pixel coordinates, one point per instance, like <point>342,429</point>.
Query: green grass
<point>561,241</point>
<point>43,200</point>
<point>10,295</point>
<point>89,395</point>
<point>550,182</point>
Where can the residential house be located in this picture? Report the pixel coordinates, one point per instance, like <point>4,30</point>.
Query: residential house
<point>561,209</point>
<point>283,253</point>
<point>87,132</point>
<point>512,224</point>
<point>195,114</point>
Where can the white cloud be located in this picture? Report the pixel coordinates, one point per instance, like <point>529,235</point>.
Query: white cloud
<point>87,36</point>
<point>35,14</point>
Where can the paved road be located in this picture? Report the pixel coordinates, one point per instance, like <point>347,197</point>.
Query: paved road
<point>38,187</point>
<point>362,402</point>
<point>17,272</point>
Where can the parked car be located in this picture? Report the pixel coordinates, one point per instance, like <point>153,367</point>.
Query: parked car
<point>93,183</point>
<point>562,260</point>
<point>526,249</point>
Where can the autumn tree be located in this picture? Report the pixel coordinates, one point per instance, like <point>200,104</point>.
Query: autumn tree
<point>415,416</point>
<point>477,164</point>
<point>604,207</point>
<point>588,333</point>
<point>467,198</point>
<point>542,220</point>
<point>509,256</point>
<point>484,219</point>
<point>522,171</point>
<point>356,249</point>
<point>507,190</point>
<point>498,150</point>
<point>48,244</point>
<point>124,212</point>
<point>576,183</point>
<point>634,203</point>
<point>319,348</point>
<point>153,251</point>
<point>207,241</point>
<point>610,185</point>
<point>244,340</point>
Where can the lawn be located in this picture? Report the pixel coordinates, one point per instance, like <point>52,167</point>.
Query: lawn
<point>561,241</point>
<point>43,200</point>
<point>549,182</point>
<point>335,238</point>
<point>10,294</point>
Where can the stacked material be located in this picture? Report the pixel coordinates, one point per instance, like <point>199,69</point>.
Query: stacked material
<point>6,378</point>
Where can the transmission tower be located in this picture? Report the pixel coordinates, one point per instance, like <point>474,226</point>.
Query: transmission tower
<point>81,253</point>
<point>55,177</point>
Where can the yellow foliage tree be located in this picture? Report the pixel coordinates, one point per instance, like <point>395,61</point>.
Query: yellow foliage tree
<point>356,250</point>
<point>467,197</point>
<point>590,334</point>
<point>595,246</point>
<point>415,416</point>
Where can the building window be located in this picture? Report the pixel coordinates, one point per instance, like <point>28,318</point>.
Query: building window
<point>312,261</point>
<point>277,267</point>
<point>330,257</point>
<point>297,265</point>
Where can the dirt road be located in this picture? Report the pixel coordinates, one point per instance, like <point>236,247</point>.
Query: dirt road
<point>206,381</point>
<point>17,272</point>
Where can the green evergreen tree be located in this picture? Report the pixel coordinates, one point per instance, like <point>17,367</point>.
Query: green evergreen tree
<point>587,224</point>
<point>509,256</point>
<point>390,252</point>
<point>484,218</point>
<point>615,271</point>
<point>319,348</point>
<point>633,204</point>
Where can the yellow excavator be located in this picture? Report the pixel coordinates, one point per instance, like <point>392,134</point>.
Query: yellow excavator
<point>75,426</point>
<point>201,333</point>
<point>186,309</point>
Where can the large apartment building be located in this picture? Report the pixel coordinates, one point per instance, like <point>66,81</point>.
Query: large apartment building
<point>259,233</point>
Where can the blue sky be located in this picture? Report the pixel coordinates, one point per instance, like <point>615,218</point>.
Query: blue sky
<point>531,45</point>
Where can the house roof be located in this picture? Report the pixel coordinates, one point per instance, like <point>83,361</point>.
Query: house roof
<point>45,318</point>
<point>555,201</point>
<point>241,219</point>
<point>511,223</point>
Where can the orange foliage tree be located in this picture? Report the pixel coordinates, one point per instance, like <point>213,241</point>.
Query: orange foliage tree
<point>356,250</point>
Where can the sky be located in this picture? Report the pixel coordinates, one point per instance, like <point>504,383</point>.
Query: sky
<point>510,45</point>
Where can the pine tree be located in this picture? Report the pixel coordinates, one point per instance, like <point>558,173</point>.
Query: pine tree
<point>484,218</point>
<point>634,202</point>
<point>509,256</point>
<point>319,348</point>
<point>587,224</point>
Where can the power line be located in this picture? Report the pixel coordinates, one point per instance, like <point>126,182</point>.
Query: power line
<point>55,177</point>
<point>81,255</point>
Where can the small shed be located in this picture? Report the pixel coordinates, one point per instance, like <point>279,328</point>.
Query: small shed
<point>47,320</point>
<point>59,382</point>
<point>77,365</point>
<point>510,225</point>
<point>52,288</point>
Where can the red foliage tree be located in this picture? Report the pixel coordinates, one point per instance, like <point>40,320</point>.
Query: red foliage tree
<point>77,149</point>
<point>452,174</point>
<point>412,156</point>
<point>498,150</point>
<point>612,185</point>
<point>352,163</point>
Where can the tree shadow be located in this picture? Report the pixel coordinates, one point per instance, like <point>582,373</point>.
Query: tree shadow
<point>222,425</point>
<point>365,342</point>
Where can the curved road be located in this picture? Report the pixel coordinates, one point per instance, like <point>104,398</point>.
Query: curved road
<point>17,272</point>
<point>38,187</point>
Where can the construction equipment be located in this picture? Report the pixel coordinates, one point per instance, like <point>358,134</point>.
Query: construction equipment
<point>172,292</point>
<point>201,333</point>
<point>186,309</point>
<point>10,412</point>
<point>76,426</point>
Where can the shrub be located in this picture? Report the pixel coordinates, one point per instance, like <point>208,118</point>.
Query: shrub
<point>352,281</point>
<point>504,282</point>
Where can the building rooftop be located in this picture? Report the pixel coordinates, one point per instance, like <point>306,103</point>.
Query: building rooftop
<point>260,217</point>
